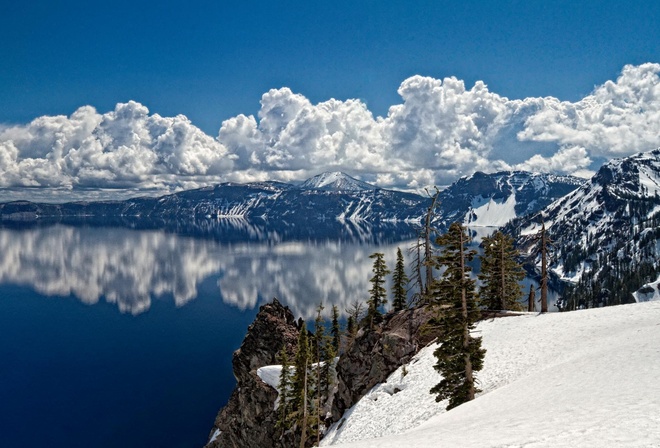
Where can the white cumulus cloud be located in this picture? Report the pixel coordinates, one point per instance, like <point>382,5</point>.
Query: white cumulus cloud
<point>440,131</point>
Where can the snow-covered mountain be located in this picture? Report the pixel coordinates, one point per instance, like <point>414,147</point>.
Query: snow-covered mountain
<point>335,181</point>
<point>560,380</point>
<point>492,200</point>
<point>328,197</point>
<point>479,200</point>
<point>606,232</point>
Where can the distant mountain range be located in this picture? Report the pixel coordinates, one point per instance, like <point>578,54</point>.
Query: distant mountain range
<point>605,233</point>
<point>477,200</point>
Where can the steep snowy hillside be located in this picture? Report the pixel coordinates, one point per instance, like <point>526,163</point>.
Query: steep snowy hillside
<point>492,200</point>
<point>605,233</point>
<point>335,181</point>
<point>582,379</point>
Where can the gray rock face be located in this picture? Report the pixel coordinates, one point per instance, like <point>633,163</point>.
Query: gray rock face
<point>248,420</point>
<point>375,354</point>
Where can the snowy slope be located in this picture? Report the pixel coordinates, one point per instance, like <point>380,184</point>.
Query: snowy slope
<point>606,230</point>
<point>491,200</point>
<point>335,181</point>
<point>489,212</point>
<point>581,379</point>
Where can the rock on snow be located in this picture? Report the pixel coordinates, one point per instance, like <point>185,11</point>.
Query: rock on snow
<point>586,378</point>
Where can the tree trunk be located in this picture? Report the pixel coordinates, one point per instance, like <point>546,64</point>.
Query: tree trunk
<point>427,246</point>
<point>318,391</point>
<point>303,435</point>
<point>531,304</point>
<point>544,270</point>
<point>466,328</point>
<point>502,277</point>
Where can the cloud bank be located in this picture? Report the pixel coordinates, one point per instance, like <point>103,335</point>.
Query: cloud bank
<point>440,131</point>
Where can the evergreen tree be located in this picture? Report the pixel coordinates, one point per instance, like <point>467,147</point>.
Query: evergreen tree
<point>335,331</point>
<point>500,273</point>
<point>400,280</point>
<point>320,341</point>
<point>299,388</point>
<point>377,292</point>
<point>351,328</point>
<point>454,295</point>
<point>284,386</point>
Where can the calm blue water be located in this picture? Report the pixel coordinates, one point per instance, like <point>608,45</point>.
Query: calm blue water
<point>114,337</point>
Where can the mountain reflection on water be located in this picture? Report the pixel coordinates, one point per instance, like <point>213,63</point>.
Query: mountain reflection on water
<point>250,263</point>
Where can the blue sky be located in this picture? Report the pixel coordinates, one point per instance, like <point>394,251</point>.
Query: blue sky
<point>212,61</point>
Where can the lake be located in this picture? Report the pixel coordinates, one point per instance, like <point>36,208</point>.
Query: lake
<point>119,337</point>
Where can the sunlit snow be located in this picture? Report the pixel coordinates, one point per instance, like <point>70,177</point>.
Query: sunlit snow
<point>490,212</point>
<point>581,379</point>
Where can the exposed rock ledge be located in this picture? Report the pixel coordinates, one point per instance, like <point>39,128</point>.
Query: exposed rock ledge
<point>249,419</point>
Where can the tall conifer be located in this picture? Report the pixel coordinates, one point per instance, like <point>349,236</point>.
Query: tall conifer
<point>299,387</point>
<point>500,273</point>
<point>335,331</point>
<point>284,386</point>
<point>460,354</point>
<point>400,280</point>
<point>378,294</point>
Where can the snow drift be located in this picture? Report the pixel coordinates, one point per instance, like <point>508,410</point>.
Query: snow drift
<point>579,379</point>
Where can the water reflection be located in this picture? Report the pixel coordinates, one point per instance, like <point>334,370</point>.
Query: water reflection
<point>131,268</point>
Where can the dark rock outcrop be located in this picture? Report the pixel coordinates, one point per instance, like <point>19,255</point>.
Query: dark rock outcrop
<point>248,420</point>
<point>376,353</point>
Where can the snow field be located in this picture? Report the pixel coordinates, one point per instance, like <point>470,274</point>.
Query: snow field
<point>587,378</point>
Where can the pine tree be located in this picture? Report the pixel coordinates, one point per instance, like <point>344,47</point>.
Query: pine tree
<point>377,292</point>
<point>319,341</point>
<point>500,273</point>
<point>351,328</point>
<point>299,388</point>
<point>400,280</point>
<point>454,295</point>
<point>284,386</point>
<point>335,331</point>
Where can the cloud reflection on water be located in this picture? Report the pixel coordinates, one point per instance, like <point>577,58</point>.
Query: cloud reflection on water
<point>132,268</point>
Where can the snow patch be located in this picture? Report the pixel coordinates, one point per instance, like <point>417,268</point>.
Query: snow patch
<point>215,435</point>
<point>270,375</point>
<point>489,212</point>
<point>648,292</point>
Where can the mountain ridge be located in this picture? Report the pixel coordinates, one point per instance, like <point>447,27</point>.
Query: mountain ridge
<point>476,200</point>
<point>605,232</point>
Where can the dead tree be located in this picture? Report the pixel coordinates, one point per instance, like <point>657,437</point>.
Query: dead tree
<point>422,253</point>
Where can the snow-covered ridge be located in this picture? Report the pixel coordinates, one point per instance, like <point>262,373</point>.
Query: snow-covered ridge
<point>335,181</point>
<point>580,379</point>
<point>610,217</point>
<point>492,200</point>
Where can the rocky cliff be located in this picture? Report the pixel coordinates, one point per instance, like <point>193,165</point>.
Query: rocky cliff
<point>248,419</point>
<point>376,353</point>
